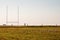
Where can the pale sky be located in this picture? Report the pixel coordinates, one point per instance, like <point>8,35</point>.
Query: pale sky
<point>33,12</point>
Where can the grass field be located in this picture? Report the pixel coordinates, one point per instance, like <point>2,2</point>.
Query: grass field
<point>30,33</point>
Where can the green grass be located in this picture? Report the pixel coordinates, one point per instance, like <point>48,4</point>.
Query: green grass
<point>30,33</point>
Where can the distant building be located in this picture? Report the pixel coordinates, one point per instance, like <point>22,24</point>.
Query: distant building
<point>4,24</point>
<point>24,24</point>
<point>11,24</point>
